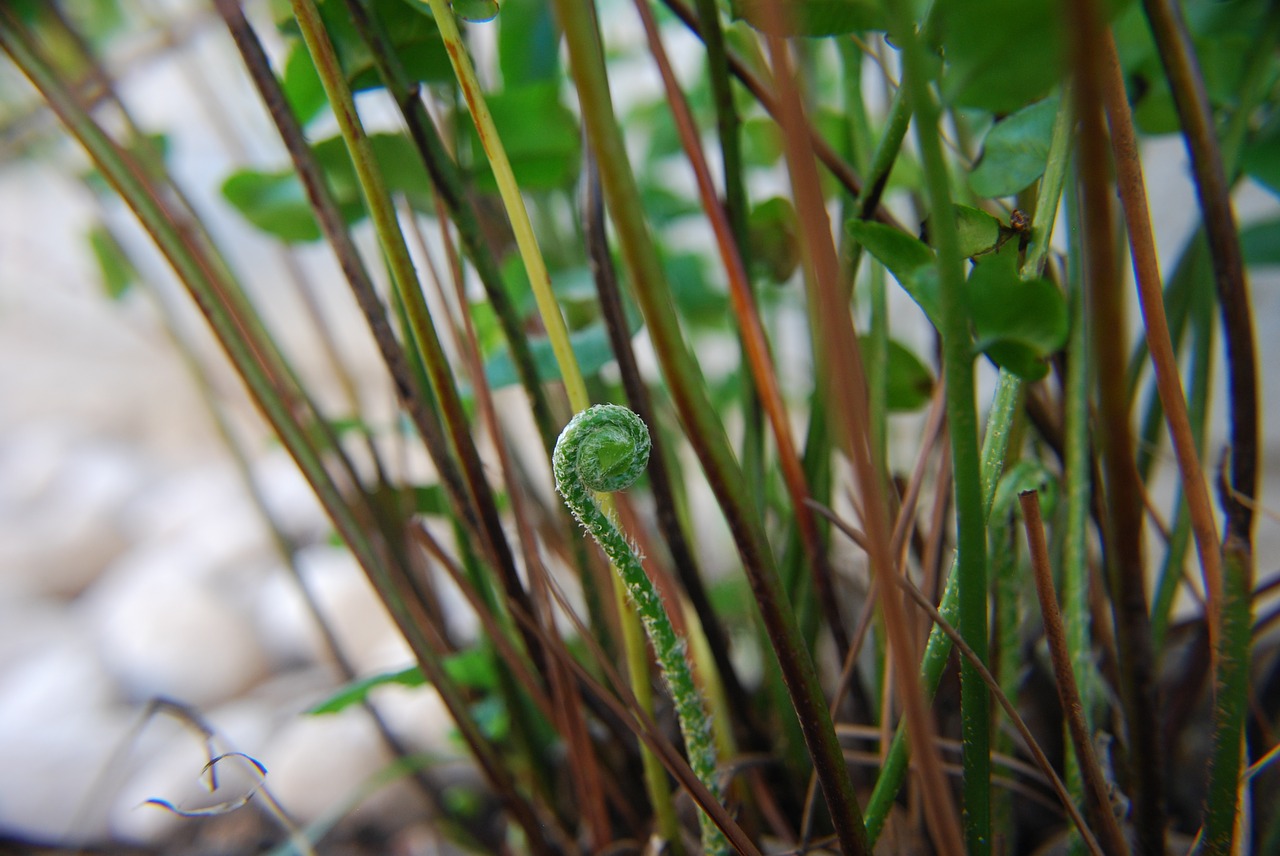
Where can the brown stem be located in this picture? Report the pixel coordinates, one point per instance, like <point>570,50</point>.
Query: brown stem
<point>754,342</point>
<point>1133,198</point>
<point>848,391</point>
<point>1099,804</point>
<point>1186,84</point>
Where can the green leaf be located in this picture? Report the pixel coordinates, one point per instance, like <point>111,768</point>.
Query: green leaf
<point>431,499</point>
<point>1260,243</point>
<point>528,43</point>
<point>470,668</point>
<point>357,691</point>
<point>1014,152</point>
<point>302,87</point>
<point>909,259</point>
<point>1017,323</point>
<point>979,231</point>
<point>476,11</point>
<point>909,383</point>
<point>1000,54</point>
<point>274,202</point>
<point>118,273</point>
<point>811,17</point>
<point>414,37</point>
<point>540,135</point>
<point>774,239</point>
<point>1261,159</point>
<point>590,345</point>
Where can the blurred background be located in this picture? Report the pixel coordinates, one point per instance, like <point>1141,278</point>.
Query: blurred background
<point>135,563</point>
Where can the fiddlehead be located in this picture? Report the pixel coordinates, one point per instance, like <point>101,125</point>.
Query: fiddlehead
<point>605,448</point>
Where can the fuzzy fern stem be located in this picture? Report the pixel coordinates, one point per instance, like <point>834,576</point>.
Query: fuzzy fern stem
<point>605,448</point>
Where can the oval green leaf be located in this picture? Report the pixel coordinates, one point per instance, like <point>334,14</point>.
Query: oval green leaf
<point>1017,323</point>
<point>1014,152</point>
<point>909,259</point>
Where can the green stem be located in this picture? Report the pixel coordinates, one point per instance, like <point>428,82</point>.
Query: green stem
<point>963,420</point>
<point>995,447</point>
<point>535,265</point>
<point>605,448</point>
<point>449,186</point>
<point>703,424</point>
<point>409,291</point>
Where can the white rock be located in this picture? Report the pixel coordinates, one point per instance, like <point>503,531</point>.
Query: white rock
<point>60,524</point>
<point>164,632</point>
<point>358,619</point>
<point>57,730</point>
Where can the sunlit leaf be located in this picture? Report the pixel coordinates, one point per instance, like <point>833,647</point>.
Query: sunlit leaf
<point>274,202</point>
<point>302,87</point>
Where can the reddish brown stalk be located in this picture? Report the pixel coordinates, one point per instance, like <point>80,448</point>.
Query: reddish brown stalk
<point>1186,85</point>
<point>1099,802</point>
<point>848,396</point>
<point>566,706</point>
<point>1015,718</point>
<point>1146,268</point>
<point>764,93</point>
<point>1123,501</point>
<point>626,708</point>
<point>755,343</point>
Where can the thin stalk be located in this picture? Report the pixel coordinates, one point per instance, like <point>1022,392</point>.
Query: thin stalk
<point>200,275</point>
<point>1098,802</point>
<point>846,384</point>
<point>517,213</point>
<point>837,166</point>
<point>605,449</point>
<point>449,186</point>
<point>995,448</point>
<point>552,320</point>
<point>736,203</point>
<point>1123,507</point>
<point>1133,197</point>
<point>682,555</point>
<point>963,421</point>
<point>702,423</point>
<point>877,337</point>
<point>413,396</point>
<point>1198,403</point>
<point>754,341</point>
<point>941,624</point>
<point>1186,85</point>
<point>1077,467</point>
<point>408,289</point>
